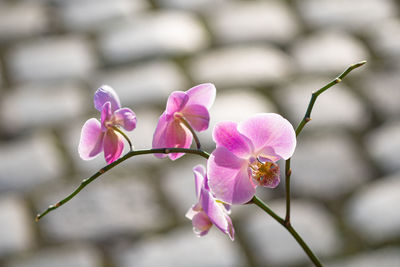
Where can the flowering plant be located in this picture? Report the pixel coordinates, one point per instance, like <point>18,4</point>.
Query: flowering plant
<point>245,156</point>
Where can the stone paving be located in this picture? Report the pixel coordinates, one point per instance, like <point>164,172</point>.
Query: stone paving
<point>263,56</point>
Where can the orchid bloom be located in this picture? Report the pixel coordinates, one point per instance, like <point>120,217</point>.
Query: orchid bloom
<point>208,210</point>
<point>246,156</point>
<point>184,109</point>
<point>105,136</point>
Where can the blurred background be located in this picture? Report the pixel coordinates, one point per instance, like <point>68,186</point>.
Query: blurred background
<point>263,56</point>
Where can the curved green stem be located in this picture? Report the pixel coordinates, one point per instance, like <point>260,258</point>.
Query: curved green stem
<point>125,136</point>
<point>87,181</point>
<point>307,118</point>
<point>290,228</point>
<point>195,137</point>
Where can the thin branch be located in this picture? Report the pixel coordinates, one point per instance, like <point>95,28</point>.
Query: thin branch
<point>125,136</point>
<point>195,137</point>
<point>304,121</point>
<point>87,181</point>
<point>290,228</point>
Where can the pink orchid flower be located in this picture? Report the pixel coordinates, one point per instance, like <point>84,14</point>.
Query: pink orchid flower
<point>97,137</point>
<point>189,107</point>
<point>246,156</point>
<point>208,210</point>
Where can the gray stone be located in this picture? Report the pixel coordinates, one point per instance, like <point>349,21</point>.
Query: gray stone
<point>383,257</point>
<point>182,248</point>
<point>384,38</point>
<point>348,15</point>
<point>109,207</point>
<point>35,20</point>
<point>381,88</point>
<point>150,82</point>
<point>28,162</point>
<point>236,104</point>
<point>240,66</point>
<point>253,21</point>
<point>373,213</point>
<point>39,105</point>
<point>327,166</point>
<point>328,52</point>
<point>77,255</point>
<point>15,231</point>
<point>351,113</point>
<point>199,5</point>
<point>153,34</point>
<point>273,245</point>
<point>383,145</point>
<point>51,58</point>
<point>93,14</point>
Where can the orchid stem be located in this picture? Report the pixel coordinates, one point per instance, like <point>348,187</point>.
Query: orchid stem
<point>305,120</point>
<point>125,136</point>
<point>290,228</point>
<point>87,181</point>
<point>196,138</point>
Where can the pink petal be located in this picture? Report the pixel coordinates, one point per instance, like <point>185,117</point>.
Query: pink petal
<point>226,134</point>
<point>91,142</point>
<point>106,115</point>
<point>106,94</point>
<point>159,140</point>
<point>126,118</point>
<point>228,177</point>
<point>216,212</point>
<point>199,178</point>
<point>201,224</point>
<point>176,101</point>
<point>270,130</point>
<point>197,116</point>
<point>202,94</point>
<point>177,136</point>
<point>113,145</point>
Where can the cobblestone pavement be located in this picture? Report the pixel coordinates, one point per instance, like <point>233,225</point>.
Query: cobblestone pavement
<point>263,56</point>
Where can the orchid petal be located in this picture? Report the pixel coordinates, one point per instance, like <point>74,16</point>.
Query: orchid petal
<point>216,212</point>
<point>106,94</point>
<point>197,116</point>
<point>272,130</point>
<point>226,134</point>
<point>228,177</point>
<point>202,94</point>
<point>105,115</point>
<point>176,102</point>
<point>201,224</point>
<point>91,142</point>
<point>199,178</point>
<point>113,145</point>
<point>177,136</point>
<point>159,140</point>
<point>126,118</point>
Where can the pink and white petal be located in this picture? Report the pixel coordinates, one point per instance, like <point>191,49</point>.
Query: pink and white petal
<point>91,142</point>
<point>225,134</point>
<point>201,224</point>
<point>106,94</point>
<point>126,118</point>
<point>267,153</point>
<point>199,178</point>
<point>193,211</point>
<point>106,115</point>
<point>202,94</point>
<point>197,116</point>
<point>113,145</point>
<point>176,102</point>
<point>159,140</point>
<point>177,136</point>
<point>228,177</point>
<point>215,211</point>
<point>270,130</point>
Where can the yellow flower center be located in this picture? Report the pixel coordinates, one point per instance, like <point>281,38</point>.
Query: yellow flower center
<point>264,174</point>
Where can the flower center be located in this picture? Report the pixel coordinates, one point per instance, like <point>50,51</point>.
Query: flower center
<point>264,174</point>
